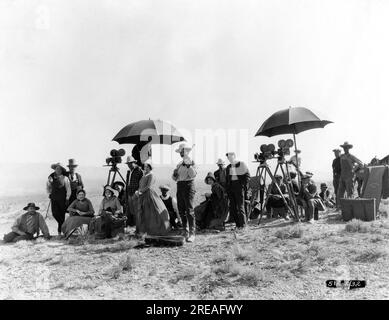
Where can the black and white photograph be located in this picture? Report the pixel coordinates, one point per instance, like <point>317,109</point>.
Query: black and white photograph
<point>194,150</point>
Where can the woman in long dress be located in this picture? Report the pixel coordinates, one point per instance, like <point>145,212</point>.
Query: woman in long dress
<point>81,212</point>
<point>153,215</point>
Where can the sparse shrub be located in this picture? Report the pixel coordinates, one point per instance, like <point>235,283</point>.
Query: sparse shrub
<point>370,255</point>
<point>356,225</point>
<point>219,259</point>
<point>249,277</point>
<point>126,263</point>
<point>376,239</point>
<point>242,254</point>
<point>185,274</point>
<point>291,232</point>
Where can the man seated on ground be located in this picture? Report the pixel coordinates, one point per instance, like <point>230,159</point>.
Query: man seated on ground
<point>27,225</point>
<point>309,198</point>
<point>294,182</point>
<point>171,206</point>
<point>326,196</point>
<point>275,199</point>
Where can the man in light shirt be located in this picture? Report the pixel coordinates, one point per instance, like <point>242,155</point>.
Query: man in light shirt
<point>184,175</point>
<point>238,176</point>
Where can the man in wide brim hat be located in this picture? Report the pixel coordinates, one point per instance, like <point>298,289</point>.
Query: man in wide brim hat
<point>347,164</point>
<point>27,225</point>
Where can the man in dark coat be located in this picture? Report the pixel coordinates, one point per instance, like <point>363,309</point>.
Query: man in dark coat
<point>336,169</point>
<point>134,174</point>
<point>238,176</point>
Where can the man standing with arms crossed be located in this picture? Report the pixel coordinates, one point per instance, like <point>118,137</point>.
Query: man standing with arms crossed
<point>347,162</point>
<point>184,175</point>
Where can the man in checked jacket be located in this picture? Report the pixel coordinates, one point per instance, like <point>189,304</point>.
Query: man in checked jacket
<point>134,174</point>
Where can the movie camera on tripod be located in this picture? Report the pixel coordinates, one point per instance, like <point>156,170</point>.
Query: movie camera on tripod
<point>268,151</point>
<point>112,161</point>
<point>115,158</point>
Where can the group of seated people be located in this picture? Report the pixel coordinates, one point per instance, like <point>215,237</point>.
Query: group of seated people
<point>307,196</point>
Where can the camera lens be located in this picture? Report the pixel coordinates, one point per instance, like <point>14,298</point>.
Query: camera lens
<point>121,152</point>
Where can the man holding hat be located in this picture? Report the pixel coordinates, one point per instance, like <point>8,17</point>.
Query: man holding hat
<point>27,225</point>
<point>58,188</point>
<point>336,170</point>
<point>238,176</point>
<point>75,180</point>
<point>347,162</point>
<point>134,174</point>
<point>184,175</point>
<point>220,174</point>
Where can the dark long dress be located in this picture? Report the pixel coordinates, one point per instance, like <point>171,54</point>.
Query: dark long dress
<point>153,215</point>
<point>75,220</point>
<point>212,213</point>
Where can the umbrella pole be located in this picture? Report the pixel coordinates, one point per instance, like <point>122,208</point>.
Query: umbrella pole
<point>297,161</point>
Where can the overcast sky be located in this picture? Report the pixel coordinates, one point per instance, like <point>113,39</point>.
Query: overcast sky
<point>73,73</point>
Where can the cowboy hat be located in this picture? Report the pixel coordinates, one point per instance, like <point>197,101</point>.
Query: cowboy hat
<point>323,184</point>
<point>346,145</point>
<point>130,159</point>
<point>220,161</point>
<point>164,187</point>
<point>337,150</point>
<point>72,163</point>
<point>31,204</point>
<point>183,146</point>
<point>209,175</point>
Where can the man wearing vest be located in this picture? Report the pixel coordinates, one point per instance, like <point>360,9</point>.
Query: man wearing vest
<point>184,175</point>
<point>58,188</point>
<point>27,225</point>
<point>171,206</point>
<point>134,174</point>
<point>75,180</point>
<point>238,176</point>
<point>347,162</point>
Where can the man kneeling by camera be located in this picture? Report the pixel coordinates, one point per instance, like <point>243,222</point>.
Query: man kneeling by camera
<point>27,225</point>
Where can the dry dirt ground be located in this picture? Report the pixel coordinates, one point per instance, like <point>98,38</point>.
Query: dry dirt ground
<point>273,260</point>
